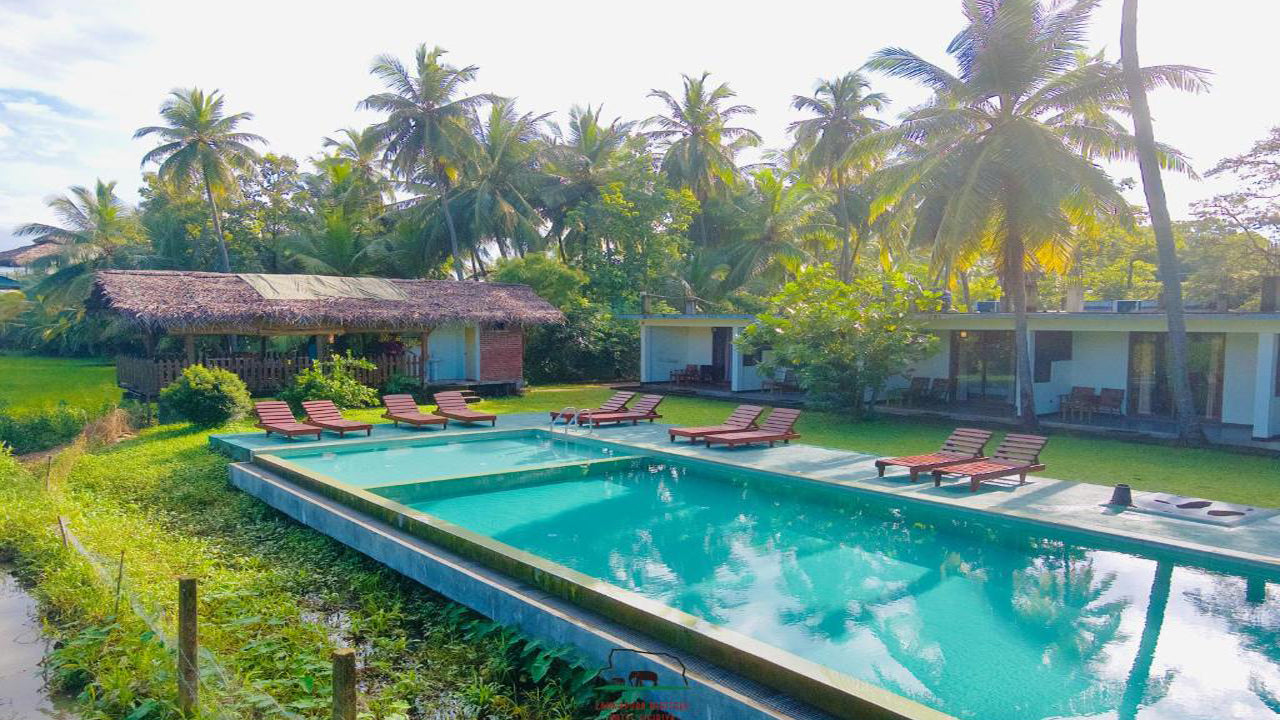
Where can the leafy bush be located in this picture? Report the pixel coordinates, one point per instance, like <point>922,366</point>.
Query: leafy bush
<point>333,380</point>
<point>204,396</point>
<point>401,384</point>
<point>590,345</point>
<point>35,430</point>
<point>842,340</point>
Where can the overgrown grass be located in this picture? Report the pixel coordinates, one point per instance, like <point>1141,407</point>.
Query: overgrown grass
<point>276,598</point>
<point>30,382</point>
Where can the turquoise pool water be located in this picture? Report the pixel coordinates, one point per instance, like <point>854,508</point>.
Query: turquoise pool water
<point>364,466</point>
<point>983,619</point>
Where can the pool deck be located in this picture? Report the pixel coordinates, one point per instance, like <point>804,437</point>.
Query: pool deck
<point>1079,506</point>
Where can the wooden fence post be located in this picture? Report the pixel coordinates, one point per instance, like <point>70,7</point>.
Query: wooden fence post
<point>344,684</point>
<point>188,670</point>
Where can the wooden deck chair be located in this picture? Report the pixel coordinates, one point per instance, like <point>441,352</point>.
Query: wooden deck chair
<point>1016,455</point>
<point>743,418</point>
<point>404,409</point>
<point>964,444</point>
<point>274,416</point>
<point>323,413</point>
<point>614,404</point>
<point>646,408</point>
<point>779,426</point>
<point>453,405</point>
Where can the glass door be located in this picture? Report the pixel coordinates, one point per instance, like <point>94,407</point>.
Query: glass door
<point>982,366</point>
<point>1149,391</point>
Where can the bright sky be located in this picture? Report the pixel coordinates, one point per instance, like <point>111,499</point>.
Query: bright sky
<point>76,78</point>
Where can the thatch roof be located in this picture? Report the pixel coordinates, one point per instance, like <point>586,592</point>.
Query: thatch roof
<point>218,303</point>
<point>27,254</point>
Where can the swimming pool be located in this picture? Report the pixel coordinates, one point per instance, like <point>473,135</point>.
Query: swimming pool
<point>966,613</point>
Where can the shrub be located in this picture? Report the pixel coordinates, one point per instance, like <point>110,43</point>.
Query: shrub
<point>333,380</point>
<point>35,430</point>
<point>401,384</point>
<point>204,396</point>
<point>589,345</point>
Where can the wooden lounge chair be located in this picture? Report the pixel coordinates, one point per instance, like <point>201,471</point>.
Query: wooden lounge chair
<point>404,409</point>
<point>964,445</point>
<point>743,418</point>
<point>274,416</point>
<point>646,408</point>
<point>323,413</point>
<point>1016,455</point>
<point>778,426</point>
<point>616,403</point>
<point>453,405</point>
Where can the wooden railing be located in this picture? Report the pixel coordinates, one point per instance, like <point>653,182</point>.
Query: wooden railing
<point>263,374</point>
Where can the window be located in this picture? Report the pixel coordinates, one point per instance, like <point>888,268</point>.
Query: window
<point>753,359</point>
<point>1051,346</point>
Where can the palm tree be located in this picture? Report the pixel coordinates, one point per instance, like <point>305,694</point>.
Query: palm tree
<point>338,246</point>
<point>698,143</point>
<point>1189,429</point>
<point>200,144</point>
<point>1002,158</point>
<point>824,143</point>
<point>781,212</point>
<point>501,178</point>
<point>581,162</point>
<point>95,230</point>
<point>426,129</point>
<point>362,151</point>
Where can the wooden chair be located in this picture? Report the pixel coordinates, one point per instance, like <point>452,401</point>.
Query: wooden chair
<point>404,409</point>
<point>742,418</point>
<point>964,445</point>
<point>777,427</point>
<point>274,416</point>
<point>1110,401</point>
<point>1079,402</point>
<point>325,414</point>
<point>1016,455</point>
<point>942,390</point>
<point>689,374</point>
<point>453,405</point>
<point>917,391</point>
<point>616,403</point>
<point>646,408</point>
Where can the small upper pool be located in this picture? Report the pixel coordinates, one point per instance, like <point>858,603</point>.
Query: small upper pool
<point>371,465</point>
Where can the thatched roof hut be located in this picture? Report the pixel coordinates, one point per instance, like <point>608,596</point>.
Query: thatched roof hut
<point>205,303</point>
<point>27,254</point>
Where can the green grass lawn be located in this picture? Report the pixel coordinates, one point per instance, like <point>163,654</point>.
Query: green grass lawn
<point>29,383</point>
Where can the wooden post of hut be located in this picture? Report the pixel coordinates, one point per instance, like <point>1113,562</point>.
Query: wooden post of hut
<point>424,357</point>
<point>322,347</point>
<point>189,343</point>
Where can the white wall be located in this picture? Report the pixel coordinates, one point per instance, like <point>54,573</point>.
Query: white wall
<point>1098,360</point>
<point>937,365</point>
<point>744,377</point>
<point>1240,368</point>
<point>672,348</point>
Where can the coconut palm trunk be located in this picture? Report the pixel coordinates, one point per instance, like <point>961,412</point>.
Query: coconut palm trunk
<point>453,235</point>
<point>1016,280</point>
<point>223,257</point>
<point>1135,688</point>
<point>1189,429</point>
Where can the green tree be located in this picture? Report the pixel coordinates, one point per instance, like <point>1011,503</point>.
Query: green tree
<point>501,179</point>
<point>842,340</point>
<point>779,213</point>
<point>95,230</point>
<point>1148,156</point>
<point>698,143</point>
<point>200,144</point>
<point>1002,159</point>
<point>556,282</point>
<point>828,155</point>
<point>426,129</point>
<point>581,162</point>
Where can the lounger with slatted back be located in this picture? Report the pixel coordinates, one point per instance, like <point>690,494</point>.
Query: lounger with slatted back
<point>404,409</point>
<point>454,406</point>
<point>779,426</point>
<point>323,413</point>
<point>1016,455</point>
<point>617,403</point>
<point>964,445</point>
<point>743,418</point>
<point>646,408</point>
<point>274,416</point>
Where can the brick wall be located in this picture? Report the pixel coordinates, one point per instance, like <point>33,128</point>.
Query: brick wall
<point>502,353</point>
